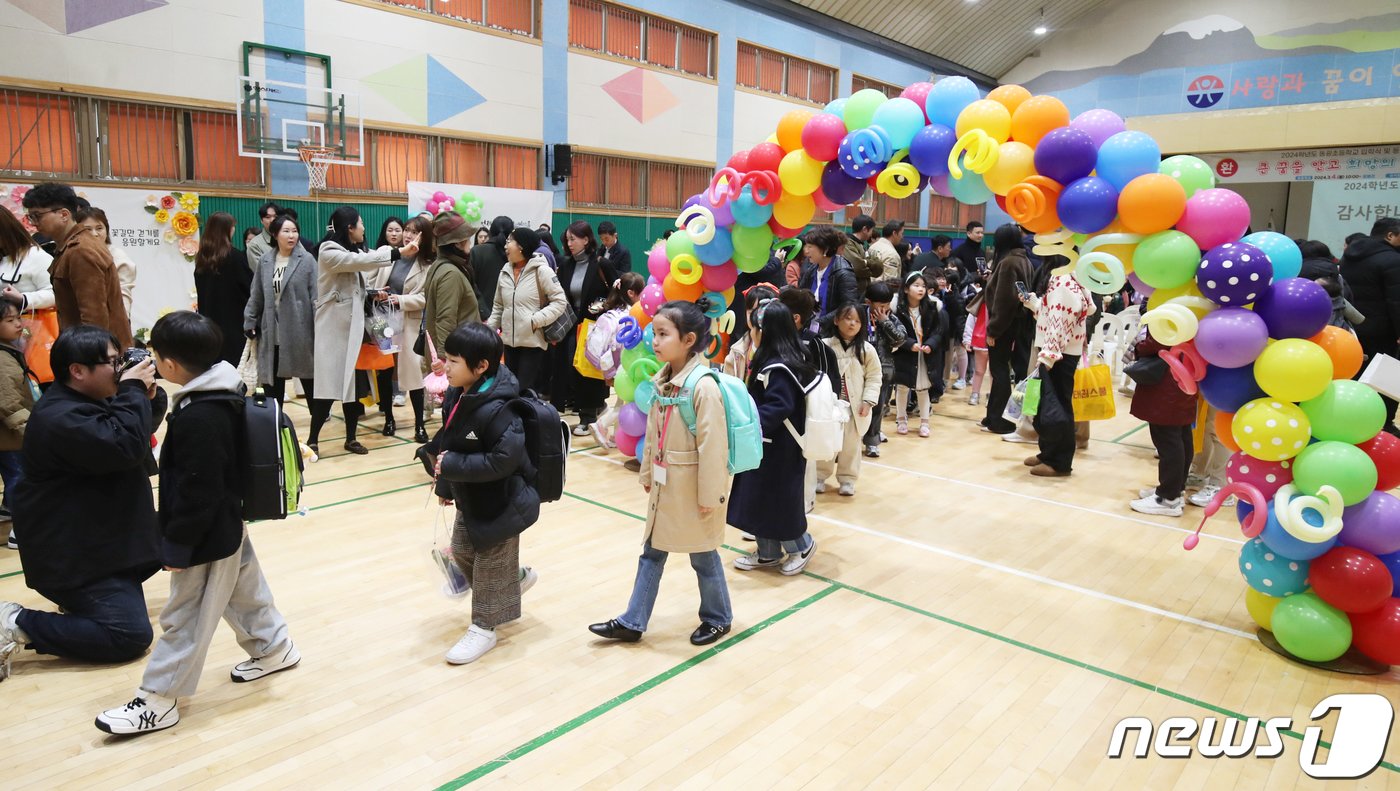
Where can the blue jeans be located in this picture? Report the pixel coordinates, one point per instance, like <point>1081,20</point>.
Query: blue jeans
<point>769,549</point>
<point>11,472</point>
<point>709,570</point>
<point>103,621</point>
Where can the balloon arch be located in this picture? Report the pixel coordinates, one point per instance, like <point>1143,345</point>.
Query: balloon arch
<point>1311,463</point>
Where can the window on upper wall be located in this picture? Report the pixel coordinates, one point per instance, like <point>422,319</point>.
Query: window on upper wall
<point>859,83</point>
<point>39,134</point>
<point>512,16</point>
<point>608,182</point>
<point>395,158</point>
<point>626,33</point>
<point>785,75</point>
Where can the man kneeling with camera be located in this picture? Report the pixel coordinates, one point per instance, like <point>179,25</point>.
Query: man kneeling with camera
<point>84,515</point>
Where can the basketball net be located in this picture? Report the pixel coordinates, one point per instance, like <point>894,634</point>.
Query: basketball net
<point>316,168</point>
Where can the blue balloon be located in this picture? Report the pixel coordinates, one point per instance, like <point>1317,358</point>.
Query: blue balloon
<point>1283,542</point>
<point>1392,562</point>
<point>648,335</point>
<point>718,250</point>
<point>1271,573</point>
<point>645,394</point>
<point>642,451</point>
<point>1088,205</point>
<point>1283,253</point>
<point>928,151</point>
<point>947,98</point>
<point>1228,389</point>
<point>901,118</point>
<point>970,189</point>
<point>749,212</point>
<point>836,107</point>
<point>1127,155</point>
<point>864,152</point>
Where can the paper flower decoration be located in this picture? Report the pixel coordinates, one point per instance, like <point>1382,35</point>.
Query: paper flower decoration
<point>184,223</point>
<point>167,202</point>
<point>17,194</point>
<point>169,236</point>
<point>189,201</point>
<point>188,247</point>
<point>153,201</point>
<point>162,216</point>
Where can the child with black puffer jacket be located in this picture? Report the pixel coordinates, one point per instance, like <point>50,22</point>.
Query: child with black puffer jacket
<point>885,334</point>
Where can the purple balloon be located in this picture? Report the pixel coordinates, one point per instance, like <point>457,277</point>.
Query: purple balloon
<point>1066,155</point>
<point>1088,205</point>
<point>1098,124</point>
<point>1228,389</point>
<point>723,215</point>
<point>930,149</point>
<point>1139,286</point>
<point>1373,524</point>
<point>840,188</point>
<point>1234,273</point>
<point>1231,337</point>
<point>631,420</point>
<point>1294,308</point>
<point>940,185</point>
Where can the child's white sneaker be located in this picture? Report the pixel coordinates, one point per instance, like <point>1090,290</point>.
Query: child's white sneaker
<point>848,489</point>
<point>754,562</point>
<point>959,384</point>
<point>275,662</point>
<point>821,487</point>
<point>1152,504</point>
<point>473,645</point>
<point>146,713</point>
<point>797,561</point>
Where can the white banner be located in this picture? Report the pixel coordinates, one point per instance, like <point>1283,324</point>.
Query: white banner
<point>1341,208</point>
<point>528,208</point>
<point>159,230</point>
<point>1311,164</point>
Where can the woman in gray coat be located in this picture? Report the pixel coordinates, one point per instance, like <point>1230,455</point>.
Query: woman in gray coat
<point>279,316</point>
<point>340,312</point>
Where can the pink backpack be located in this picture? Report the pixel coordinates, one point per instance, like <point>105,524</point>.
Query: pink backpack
<point>601,346</point>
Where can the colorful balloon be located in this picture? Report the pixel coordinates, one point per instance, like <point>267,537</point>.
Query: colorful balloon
<point>970,189</point>
<point>1311,629</point>
<point>1294,308</point>
<point>1192,173</point>
<point>1066,155</point>
<point>1231,337</point>
<point>1015,163</point>
<point>800,173</point>
<point>790,128</point>
<point>1166,259</point>
<point>917,92</point>
<point>794,211</point>
<point>1343,348</point>
<point>1213,217</point>
<point>1088,205</point>
<point>1234,273</point>
<point>947,98</point>
<point>929,149</point>
<point>1350,579</point>
<point>1269,572</point>
<point>1266,476</point>
<point>1347,411</point>
<point>1283,252</point>
<point>901,119</point>
<point>1036,117</point>
<point>1261,607</point>
<point>989,116</point>
<point>1384,450</point>
<point>766,156</point>
<point>1151,203</point>
<point>1229,389</point>
<point>861,107</point>
<point>1269,430</point>
<point>1373,525</point>
<point>1377,633</point>
<point>840,187</point>
<point>1293,370</point>
<point>1011,96</point>
<point>1284,543</point>
<point>1344,467</point>
<point>1100,125</point>
<point>822,135</point>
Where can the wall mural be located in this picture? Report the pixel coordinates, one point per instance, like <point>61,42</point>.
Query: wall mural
<point>72,16</point>
<point>641,93</point>
<point>425,90</point>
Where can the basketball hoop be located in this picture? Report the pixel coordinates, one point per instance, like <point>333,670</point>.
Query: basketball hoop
<point>867,203</point>
<point>315,158</point>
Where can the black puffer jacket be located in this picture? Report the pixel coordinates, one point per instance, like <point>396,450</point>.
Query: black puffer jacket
<point>1372,268</point>
<point>486,470</point>
<point>840,290</point>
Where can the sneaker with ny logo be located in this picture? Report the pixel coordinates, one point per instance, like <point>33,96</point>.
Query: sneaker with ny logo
<point>146,713</point>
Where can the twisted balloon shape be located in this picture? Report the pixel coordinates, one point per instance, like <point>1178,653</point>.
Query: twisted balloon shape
<point>1288,510</point>
<point>981,152</point>
<point>699,222</point>
<point>899,179</point>
<point>1032,198</point>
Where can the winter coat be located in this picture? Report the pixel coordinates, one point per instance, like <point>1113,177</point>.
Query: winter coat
<point>618,257</point>
<point>971,255</point>
<point>286,323</point>
<point>736,360</point>
<point>340,315</point>
<point>86,288</point>
<point>884,336</point>
<point>933,330</point>
<point>486,470</point>
<point>882,251</point>
<point>860,378</point>
<point>84,509</point>
<point>770,502</point>
<point>1372,268</point>
<point>16,397</point>
<point>411,302</point>
<point>1006,316</point>
<point>597,282</point>
<point>223,296</point>
<point>840,287</point>
<point>449,302</point>
<point>487,261</point>
<point>1314,268</point>
<point>258,247</point>
<point>201,479</point>
<point>526,303</point>
<point>866,270</point>
<point>1062,318</point>
<point>697,472</point>
<point>30,277</point>
<point>1163,403</point>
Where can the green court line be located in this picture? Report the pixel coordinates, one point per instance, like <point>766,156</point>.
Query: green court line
<point>12,574</point>
<point>642,688</point>
<point>1129,433</point>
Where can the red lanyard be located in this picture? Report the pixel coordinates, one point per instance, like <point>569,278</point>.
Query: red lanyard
<point>661,440</point>
<point>453,413</point>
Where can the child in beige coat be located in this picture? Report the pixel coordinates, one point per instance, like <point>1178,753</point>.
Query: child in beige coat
<point>859,366</point>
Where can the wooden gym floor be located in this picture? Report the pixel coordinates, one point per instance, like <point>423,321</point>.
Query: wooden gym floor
<point>963,625</point>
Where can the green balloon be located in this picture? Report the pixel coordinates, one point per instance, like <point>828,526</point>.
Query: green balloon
<point>1310,628</point>
<point>1192,173</point>
<point>750,262</point>
<point>1336,464</point>
<point>624,386</point>
<point>754,241</point>
<point>1347,412</point>
<point>1166,259</point>
<point>861,107</point>
<point>629,356</point>
<point>680,242</point>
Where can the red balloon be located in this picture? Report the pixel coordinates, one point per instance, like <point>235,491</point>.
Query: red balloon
<point>1350,579</point>
<point>739,162</point>
<point>1377,633</point>
<point>824,203</point>
<point>1384,450</point>
<point>1001,201</point>
<point>782,232</point>
<point>766,156</point>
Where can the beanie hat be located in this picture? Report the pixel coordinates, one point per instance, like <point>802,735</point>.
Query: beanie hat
<point>528,240</point>
<point>450,228</point>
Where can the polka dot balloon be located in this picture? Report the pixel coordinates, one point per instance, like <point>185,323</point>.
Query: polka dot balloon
<point>1234,274</point>
<point>1266,476</point>
<point>1271,573</point>
<point>1271,430</point>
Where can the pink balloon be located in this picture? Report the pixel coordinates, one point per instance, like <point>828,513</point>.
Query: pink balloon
<point>1139,286</point>
<point>652,299</point>
<point>1266,476</point>
<point>432,207</point>
<point>719,277</point>
<point>632,421</point>
<point>657,264</point>
<point>821,137</point>
<point>824,203</point>
<point>627,443</point>
<point>439,196</point>
<point>1214,217</point>
<point>1099,124</point>
<point>918,94</point>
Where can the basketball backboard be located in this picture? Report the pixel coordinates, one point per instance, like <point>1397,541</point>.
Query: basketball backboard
<point>287,99</point>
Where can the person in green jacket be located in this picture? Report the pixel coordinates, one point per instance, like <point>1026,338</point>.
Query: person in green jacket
<point>450,299</point>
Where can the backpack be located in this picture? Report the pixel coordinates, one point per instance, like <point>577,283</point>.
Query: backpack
<point>601,347</point>
<point>546,443</point>
<point>827,417</point>
<point>270,456</point>
<point>740,417</point>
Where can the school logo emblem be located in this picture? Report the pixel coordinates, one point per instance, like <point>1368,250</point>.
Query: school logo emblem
<point>1205,91</point>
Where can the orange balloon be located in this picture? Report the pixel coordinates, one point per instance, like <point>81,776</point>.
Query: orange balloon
<point>674,289</point>
<point>640,315</point>
<point>1344,350</point>
<point>1009,96</point>
<point>1036,117</point>
<point>1223,433</point>
<point>1151,203</point>
<point>790,129</point>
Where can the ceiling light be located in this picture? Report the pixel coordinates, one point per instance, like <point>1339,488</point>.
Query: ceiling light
<point>1041,30</point>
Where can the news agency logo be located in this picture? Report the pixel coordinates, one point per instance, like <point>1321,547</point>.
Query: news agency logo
<point>1357,746</point>
<point>1205,91</point>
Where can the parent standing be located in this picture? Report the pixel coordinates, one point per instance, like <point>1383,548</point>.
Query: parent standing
<point>24,267</point>
<point>1008,353</point>
<point>488,258</point>
<point>528,299</point>
<point>449,293</point>
<point>340,312</point>
<point>404,284</point>
<point>1371,267</point>
<point>587,281</point>
<point>1061,329</point>
<point>222,282</point>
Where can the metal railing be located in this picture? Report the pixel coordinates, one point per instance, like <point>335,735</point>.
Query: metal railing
<point>608,182</point>
<point>633,35</point>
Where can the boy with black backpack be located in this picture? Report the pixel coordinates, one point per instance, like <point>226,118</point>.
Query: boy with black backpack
<point>483,464</point>
<point>204,544</point>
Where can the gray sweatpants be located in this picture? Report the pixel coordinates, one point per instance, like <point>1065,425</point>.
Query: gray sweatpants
<point>232,589</point>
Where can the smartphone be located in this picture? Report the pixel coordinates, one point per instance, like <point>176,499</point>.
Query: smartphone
<point>1021,288</point>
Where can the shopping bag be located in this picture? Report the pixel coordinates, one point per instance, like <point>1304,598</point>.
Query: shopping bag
<point>248,365</point>
<point>581,362</point>
<point>385,325</point>
<point>1093,393</point>
<point>40,330</point>
<point>1013,409</point>
<point>1030,403</point>
<point>372,358</point>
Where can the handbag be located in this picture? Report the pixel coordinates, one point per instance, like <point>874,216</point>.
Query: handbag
<point>41,330</point>
<point>581,361</point>
<point>1147,371</point>
<point>1093,392</point>
<point>248,364</point>
<point>372,358</point>
<point>559,329</point>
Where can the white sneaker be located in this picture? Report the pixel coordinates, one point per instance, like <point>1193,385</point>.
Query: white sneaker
<point>753,562</point>
<point>747,536</point>
<point>11,638</point>
<point>400,399</point>
<point>821,487</point>
<point>528,578</point>
<point>147,712</point>
<point>473,645</point>
<point>1208,493</point>
<point>847,489</point>
<point>1017,436</point>
<point>960,385</point>
<point>796,562</point>
<point>275,662</point>
<point>1150,491</point>
<point>1155,505</point>
<point>974,399</point>
<point>11,543</point>
<point>1194,481</point>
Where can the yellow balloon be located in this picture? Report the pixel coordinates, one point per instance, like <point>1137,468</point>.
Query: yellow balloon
<point>1186,294</point>
<point>1015,163</point>
<point>987,115</point>
<point>799,173</point>
<point>794,211</point>
<point>1261,607</point>
<point>1293,369</point>
<point>1271,430</point>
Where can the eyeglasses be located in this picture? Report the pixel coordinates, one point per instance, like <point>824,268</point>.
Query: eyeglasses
<point>35,215</point>
<point>112,361</point>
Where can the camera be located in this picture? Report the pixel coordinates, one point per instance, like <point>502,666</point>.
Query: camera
<point>130,359</point>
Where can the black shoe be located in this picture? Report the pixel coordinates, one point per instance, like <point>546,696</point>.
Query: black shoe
<point>420,434</point>
<point>706,633</point>
<point>356,448</point>
<point>612,630</point>
<point>389,425</point>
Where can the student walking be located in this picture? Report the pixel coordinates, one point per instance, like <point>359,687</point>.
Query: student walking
<point>859,368</point>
